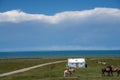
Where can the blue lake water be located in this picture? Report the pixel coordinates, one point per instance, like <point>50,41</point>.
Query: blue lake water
<point>36,54</point>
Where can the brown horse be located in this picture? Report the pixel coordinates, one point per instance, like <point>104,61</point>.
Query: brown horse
<point>110,71</point>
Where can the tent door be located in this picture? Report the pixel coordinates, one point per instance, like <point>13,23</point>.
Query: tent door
<point>77,65</point>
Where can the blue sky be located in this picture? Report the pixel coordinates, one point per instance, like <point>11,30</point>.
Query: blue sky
<point>27,25</point>
<point>51,7</point>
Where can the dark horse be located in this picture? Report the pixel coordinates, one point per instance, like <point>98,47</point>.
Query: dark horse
<point>110,71</point>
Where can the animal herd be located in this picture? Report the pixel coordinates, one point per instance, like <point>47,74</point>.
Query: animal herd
<point>109,70</point>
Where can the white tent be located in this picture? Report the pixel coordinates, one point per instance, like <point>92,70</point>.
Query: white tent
<point>76,62</point>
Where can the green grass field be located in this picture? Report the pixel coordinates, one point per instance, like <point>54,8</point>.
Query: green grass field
<point>7,65</point>
<point>55,71</point>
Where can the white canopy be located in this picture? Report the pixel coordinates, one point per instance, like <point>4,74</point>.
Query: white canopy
<point>76,60</point>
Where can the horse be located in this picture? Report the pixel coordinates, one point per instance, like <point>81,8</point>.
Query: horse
<point>110,71</point>
<point>68,72</point>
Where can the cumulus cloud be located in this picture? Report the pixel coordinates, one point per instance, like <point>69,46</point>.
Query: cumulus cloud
<point>97,28</point>
<point>17,16</point>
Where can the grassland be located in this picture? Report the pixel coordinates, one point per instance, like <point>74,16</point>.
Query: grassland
<point>55,71</point>
<point>7,65</point>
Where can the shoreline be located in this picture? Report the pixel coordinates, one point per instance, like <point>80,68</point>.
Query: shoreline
<point>59,57</point>
<point>69,53</point>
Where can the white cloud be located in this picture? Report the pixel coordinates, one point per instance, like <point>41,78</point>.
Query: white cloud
<point>76,47</point>
<point>17,16</point>
<point>58,48</point>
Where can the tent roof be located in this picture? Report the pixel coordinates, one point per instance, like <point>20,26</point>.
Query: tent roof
<point>76,60</point>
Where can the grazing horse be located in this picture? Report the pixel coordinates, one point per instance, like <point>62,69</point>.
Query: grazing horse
<point>110,71</point>
<point>68,72</point>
